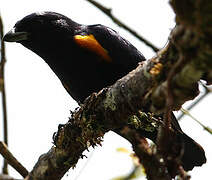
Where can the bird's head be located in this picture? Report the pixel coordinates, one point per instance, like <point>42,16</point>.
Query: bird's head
<point>38,27</point>
<point>38,30</point>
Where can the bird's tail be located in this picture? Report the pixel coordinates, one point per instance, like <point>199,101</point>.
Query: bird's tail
<point>194,154</point>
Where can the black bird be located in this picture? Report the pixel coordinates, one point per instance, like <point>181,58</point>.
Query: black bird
<point>87,59</point>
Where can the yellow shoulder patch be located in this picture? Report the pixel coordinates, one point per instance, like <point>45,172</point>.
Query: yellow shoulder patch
<point>90,43</point>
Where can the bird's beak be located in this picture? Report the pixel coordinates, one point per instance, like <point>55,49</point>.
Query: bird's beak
<point>13,36</point>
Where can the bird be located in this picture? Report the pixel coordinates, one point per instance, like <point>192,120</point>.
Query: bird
<point>86,59</point>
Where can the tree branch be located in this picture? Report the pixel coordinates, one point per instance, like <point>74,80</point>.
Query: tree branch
<point>6,177</point>
<point>12,160</point>
<point>2,89</point>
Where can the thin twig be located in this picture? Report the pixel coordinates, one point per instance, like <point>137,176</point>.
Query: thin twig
<point>194,103</point>
<point>85,165</point>
<point>164,130</point>
<point>12,160</point>
<point>165,138</point>
<point>108,12</point>
<point>195,119</point>
<point>2,88</point>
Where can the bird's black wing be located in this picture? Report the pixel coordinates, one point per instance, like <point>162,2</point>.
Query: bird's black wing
<point>117,47</point>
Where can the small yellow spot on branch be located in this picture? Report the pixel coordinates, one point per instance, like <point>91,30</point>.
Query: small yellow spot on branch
<point>123,150</point>
<point>156,69</point>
